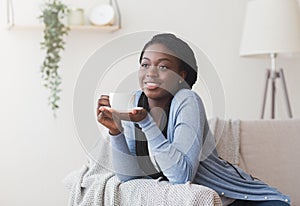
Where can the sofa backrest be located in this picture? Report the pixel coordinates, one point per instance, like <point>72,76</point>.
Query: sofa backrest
<point>270,151</point>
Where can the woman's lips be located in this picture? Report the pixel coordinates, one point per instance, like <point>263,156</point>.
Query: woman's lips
<point>152,85</point>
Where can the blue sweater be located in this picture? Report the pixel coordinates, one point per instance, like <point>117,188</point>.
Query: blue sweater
<point>187,154</point>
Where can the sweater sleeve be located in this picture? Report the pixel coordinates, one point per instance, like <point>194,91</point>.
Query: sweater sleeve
<point>178,156</point>
<point>124,162</point>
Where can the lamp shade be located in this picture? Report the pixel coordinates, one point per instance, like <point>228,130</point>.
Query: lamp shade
<point>271,26</point>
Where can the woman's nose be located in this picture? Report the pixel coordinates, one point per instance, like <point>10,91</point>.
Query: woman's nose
<point>152,71</point>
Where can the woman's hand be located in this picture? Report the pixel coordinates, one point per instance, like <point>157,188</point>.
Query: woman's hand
<point>106,117</point>
<point>111,119</point>
<point>136,115</point>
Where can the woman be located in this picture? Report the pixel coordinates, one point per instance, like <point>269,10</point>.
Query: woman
<point>170,138</point>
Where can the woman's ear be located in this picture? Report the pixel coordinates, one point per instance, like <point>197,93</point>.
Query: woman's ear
<point>183,74</point>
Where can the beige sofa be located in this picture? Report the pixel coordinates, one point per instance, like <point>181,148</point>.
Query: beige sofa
<point>267,149</point>
<point>270,151</point>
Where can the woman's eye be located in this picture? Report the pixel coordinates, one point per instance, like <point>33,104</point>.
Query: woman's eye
<point>144,65</point>
<point>162,67</point>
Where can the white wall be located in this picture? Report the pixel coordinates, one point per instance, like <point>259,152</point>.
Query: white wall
<point>37,151</point>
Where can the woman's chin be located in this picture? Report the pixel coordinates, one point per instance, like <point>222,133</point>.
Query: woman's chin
<point>152,93</point>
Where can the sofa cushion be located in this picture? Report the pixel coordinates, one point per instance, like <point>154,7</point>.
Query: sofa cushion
<point>270,151</point>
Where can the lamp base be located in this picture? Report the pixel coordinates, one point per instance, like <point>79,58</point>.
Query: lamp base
<point>272,75</point>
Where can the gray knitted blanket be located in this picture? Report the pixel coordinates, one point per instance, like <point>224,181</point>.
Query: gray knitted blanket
<point>94,185</point>
<point>227,137</point>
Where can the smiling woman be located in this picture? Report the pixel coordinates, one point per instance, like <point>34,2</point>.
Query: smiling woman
<point>166,138</point>
<point>160,75</point>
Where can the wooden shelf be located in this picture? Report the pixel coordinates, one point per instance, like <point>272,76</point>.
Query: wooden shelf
<point>92,27</point>
<point>12,25</point>
<point>72,27</point>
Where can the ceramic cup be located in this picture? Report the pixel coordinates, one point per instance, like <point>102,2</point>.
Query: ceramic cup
<point>122,102</point>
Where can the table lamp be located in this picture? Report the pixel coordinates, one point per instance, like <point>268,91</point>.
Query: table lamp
<point>271,28</point>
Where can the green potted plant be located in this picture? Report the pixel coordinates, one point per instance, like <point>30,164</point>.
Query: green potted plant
<point>52,16</point>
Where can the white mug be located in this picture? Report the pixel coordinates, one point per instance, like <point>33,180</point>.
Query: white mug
<point>121,101</point>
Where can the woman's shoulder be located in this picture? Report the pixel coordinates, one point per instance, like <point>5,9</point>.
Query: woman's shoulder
<point>186,93</point>
<point>187,96</point>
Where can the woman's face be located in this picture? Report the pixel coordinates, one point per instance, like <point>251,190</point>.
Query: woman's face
<point>160,72</point>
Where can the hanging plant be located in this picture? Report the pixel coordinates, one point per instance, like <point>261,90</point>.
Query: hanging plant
<point>53,13</point>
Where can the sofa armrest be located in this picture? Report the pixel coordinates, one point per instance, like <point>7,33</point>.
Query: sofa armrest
<point>153,192</point>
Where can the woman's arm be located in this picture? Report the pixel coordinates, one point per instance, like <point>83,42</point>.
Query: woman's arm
<point>179,155</point>
<point>124,162</point>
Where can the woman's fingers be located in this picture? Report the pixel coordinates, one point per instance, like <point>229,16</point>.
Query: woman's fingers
<point>135,115</point>
<point>138,115</point>
<point>109,113</point>
<point>103,119</point>
<point>103,101</point>
<point>108,119</point>
<point>107,116</point>
<point>106,111</point>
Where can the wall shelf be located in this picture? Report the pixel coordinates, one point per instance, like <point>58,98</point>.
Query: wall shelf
<point>91,27</point>
<point>114,3</point>
<point>73,27</point>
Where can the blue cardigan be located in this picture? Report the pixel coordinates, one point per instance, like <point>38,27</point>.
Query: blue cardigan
<point>188,153</point>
